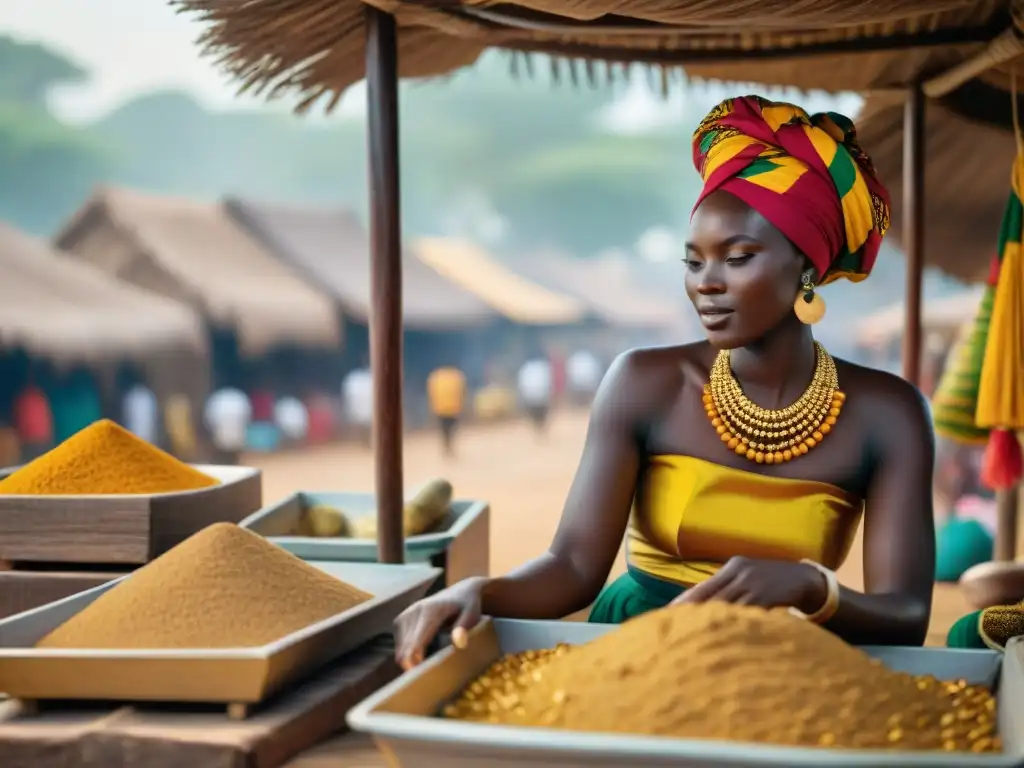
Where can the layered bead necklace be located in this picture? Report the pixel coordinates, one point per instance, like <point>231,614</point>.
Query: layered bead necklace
<point>773,436</point>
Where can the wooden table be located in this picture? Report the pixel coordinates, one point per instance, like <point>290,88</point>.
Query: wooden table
<point>168,737</point>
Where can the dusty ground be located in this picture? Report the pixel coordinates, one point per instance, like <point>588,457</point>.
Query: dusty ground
<point>525,480</point>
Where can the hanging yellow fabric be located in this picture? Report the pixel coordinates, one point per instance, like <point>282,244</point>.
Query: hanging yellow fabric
<point>1001,389</point>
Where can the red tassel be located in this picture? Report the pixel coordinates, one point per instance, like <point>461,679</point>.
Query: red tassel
<point>993,270</point>
<point>1002,466</point>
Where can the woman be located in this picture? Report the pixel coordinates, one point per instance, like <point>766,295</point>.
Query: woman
<point>789,202</point>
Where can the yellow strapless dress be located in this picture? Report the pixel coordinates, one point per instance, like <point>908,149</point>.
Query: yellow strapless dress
<point>691,515</point>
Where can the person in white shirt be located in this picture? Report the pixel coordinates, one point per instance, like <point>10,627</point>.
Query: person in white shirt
<point>357,401</point>
<point>141,413</point>
<point>536,385</point>
<point>227,415</point>
<point>292,418</point>
<point>583,374</point>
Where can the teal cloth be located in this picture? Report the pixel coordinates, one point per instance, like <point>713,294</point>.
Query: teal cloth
<point>960,544</point>
<point>964,632</point>
<point>631,595</point>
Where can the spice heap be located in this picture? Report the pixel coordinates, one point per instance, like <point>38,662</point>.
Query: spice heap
<point>735,673</point>
<point>224,587</point>
<point>501,685</point>
<point>104,458</point>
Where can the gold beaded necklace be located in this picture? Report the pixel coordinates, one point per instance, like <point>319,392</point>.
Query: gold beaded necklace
<point>770,436</point>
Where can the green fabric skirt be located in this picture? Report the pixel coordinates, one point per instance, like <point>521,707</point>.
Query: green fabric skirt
<point>964,633</point>
<point>630,595</point>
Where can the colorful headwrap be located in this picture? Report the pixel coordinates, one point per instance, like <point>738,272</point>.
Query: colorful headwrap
<point>805,174</point>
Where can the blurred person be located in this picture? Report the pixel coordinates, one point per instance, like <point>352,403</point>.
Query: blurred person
<point>583,374</point>
<point>536,387</point>
<point>321,410</point>
<point>227,415</point>
<point>10,446</point>
<point>33,421</point>
<point>292,417</point>
<point>141,412</point>
<point>689,455</point>
<point>180,426</point>
<point>446,391</point>
<point>357,402</point>
<point>262,401</point>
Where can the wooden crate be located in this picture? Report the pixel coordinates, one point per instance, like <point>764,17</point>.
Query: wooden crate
<point>122,530</point>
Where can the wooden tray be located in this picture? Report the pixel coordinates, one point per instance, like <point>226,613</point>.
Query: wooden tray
<point>156,735</point>
<point>461,546</point>
<point>129,529</point>
<point>235,676</point>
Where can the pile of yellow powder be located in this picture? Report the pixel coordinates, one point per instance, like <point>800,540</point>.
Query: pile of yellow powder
<point>718,671</point>
<point>104,458</point>
<point>224,587</point>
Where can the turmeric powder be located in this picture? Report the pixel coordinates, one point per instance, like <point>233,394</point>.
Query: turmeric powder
<point>738,673</point>
<point>104,458</point>
<point>224,587</point>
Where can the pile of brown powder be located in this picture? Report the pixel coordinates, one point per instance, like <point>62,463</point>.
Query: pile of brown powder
<point>224,587</point>
<point>736,673</point>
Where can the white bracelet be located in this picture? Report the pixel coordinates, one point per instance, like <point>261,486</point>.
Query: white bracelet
<point>831,605</point>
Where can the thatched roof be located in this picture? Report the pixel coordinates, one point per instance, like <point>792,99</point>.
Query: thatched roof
<point>967,182</point>
<point>943,317</point>
<point>316,47</point>
<point>194,252</point>
<point>57,307</point>
<point>331,247</point>
<point>607,288</point>
<point>515,297</point>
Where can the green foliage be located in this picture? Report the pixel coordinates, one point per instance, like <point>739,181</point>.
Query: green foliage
<point>46,167</point>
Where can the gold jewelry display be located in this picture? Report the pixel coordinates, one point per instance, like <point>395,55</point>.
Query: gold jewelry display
<point>809,306</point>
<point>773,436</point>
<point>831,605</point>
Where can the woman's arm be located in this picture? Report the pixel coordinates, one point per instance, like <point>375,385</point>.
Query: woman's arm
<point>569,576</point>
<point>899,528</point>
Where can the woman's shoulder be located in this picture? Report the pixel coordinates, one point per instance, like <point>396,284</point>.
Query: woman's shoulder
<point>663,365</point>
<point>884,400</point>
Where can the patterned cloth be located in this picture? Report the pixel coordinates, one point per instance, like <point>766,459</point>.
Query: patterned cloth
<point>805,174</point>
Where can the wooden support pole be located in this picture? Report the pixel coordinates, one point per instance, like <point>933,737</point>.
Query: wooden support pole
<point>913,230</point>
<point>1007,510</point>
<point>385,279</point>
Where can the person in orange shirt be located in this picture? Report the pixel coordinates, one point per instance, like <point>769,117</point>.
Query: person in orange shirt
<point>446,391</point>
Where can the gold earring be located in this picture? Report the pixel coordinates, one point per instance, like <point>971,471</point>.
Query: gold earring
<point>809,306</point>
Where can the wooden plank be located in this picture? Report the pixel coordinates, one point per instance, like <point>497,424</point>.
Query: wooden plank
<point>351,750</point>
<point>24,590</point>
<point>166,737</point>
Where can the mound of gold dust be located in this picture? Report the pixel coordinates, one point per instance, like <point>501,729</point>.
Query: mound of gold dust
<point>104,458</point>
<point>735,673</point>
<point>224,587</point>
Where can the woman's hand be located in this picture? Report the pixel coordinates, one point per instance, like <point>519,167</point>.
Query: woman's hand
<point>766,583</point>
<point>419,624</point>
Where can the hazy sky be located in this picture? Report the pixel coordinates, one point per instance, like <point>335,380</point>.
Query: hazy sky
<point>128,46</point>
<point>133,46</point>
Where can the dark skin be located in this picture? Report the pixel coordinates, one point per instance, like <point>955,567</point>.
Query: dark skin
<point>743,276</point>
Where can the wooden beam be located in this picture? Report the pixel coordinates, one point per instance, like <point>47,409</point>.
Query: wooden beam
<point>913,230</point>
<point>385,279</point>
<point>1007,513</point>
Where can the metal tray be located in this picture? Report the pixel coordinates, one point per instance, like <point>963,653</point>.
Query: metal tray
<point>402,716</point>
<point>467,520</point>
<point>230,675</point>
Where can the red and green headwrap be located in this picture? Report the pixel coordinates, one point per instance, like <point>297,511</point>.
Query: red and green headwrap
<point>805,174</point>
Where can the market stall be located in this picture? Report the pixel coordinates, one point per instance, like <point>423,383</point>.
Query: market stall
<point>320,47</point>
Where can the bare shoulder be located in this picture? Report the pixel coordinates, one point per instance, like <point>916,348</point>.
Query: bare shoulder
<point>642,380</point>
<point>895,411</point>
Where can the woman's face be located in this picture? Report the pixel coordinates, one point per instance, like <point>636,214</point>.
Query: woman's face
<point>742,274</point>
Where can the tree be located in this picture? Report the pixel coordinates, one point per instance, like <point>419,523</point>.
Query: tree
<point>46,167</point>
